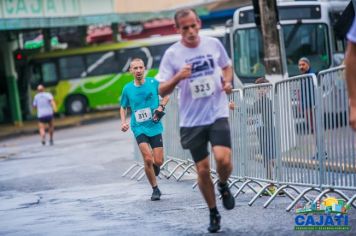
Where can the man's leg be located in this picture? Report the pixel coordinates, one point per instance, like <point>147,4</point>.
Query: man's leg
<point>157,149</point>
<point>220,139</point>
<point>42,130</point>
<point>223,162</point>
<point>148,163</point>
<point>205,183</point>
<point>158,156</point>
<point>206,187</point>
<point>51,131</point>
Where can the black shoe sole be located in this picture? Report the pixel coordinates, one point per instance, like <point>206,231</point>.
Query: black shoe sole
<point>214,230</point>
<point>216,227</point>
<point>155,199</point>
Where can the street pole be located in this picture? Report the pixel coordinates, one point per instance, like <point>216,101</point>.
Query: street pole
<point>272,36</point>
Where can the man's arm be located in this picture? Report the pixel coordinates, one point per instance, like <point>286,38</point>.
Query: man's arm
<point>164,100</point>
<point>124,125</point>
<point>54,106</point>
<point>227,79</point>
<point>167,87</point>
<point>350,62</point>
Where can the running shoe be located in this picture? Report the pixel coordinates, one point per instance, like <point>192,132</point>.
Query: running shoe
<point>156,194</point>
<point>214,223</point>
<point>227,199</point>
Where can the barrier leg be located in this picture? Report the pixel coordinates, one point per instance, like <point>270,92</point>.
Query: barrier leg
<point>344,196</point>
<point>186,170</point>
<point>352,199</point>
<point>137,172</point>
<point>288,194</point>
<point>258,194</point>
<point>174,170</point>
<point>246,183</point>
<point>133,166</point>
<point>295,201</point>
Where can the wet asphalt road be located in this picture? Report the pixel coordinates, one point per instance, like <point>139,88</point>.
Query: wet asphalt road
<point>75,188</point>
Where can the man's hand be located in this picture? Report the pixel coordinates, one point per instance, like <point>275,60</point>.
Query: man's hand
<point>185,72</point>
<point>227,87</point>
<point>158,114</point>
<point>124,127</point>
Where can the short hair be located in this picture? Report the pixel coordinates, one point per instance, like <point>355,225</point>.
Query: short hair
<point>261,80</point>
<point>40,88</point>
<point>137,59</point>
<point>183,13</point>
<point>305,60</point>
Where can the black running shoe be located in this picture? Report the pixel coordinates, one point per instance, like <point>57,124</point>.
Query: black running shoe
<point>227,198</point>
<point>51,142</point>
<point>157,169</point>
<point>156,195</point>
<point>214,223</point>
<point>43,142</point>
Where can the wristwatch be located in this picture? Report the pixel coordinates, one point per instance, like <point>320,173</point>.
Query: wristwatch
<point>162,106</point>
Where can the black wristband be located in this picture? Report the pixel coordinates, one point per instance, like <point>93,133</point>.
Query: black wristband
<point>162,106</point>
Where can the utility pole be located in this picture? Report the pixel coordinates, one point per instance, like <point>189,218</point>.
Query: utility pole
<point>272,36</point>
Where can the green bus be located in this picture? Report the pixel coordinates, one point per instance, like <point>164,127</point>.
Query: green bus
<point>93,77</point>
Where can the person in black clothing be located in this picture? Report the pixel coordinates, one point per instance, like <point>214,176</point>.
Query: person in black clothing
<point>307,93</point>
<point>308,98</point>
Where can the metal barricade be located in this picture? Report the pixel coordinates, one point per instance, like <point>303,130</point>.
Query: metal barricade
<point>237,130</point>
<point>173,150</point>
<point>339,162</point>
<point>296,108</point>
<point>138,166</point>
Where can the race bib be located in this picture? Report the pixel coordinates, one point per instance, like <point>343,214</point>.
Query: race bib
<point>202,87</point>
<point>143,114</point>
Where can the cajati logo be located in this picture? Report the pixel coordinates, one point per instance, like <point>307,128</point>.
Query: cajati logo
<point>329,214</point>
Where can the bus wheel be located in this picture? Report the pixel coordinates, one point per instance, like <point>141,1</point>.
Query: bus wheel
<point>76,104</point>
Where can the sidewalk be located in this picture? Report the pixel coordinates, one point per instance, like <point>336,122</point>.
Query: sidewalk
<point>30,127</point>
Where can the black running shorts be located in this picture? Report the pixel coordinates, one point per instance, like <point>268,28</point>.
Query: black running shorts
<point>196,138</point>
<point>154,141</point>
<point>45,119</point>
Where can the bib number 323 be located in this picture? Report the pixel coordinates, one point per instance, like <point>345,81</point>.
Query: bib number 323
<point>143,114</point>
<point>202,87</point>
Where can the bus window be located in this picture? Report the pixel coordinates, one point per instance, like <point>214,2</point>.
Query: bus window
<point>71,67</point>
<point>44,73</point>
<point>49,73</point>
<point>248,51</point>
<point>306,40</point>
<point>101,63</point>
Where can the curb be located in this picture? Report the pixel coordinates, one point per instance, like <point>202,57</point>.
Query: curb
<point>60,123</point>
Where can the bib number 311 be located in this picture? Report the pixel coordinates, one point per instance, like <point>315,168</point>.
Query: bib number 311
<point>202,87</point>
<point>143,115</point>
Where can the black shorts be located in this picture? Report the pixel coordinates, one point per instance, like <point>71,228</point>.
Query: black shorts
<point>154,141</point>
<point>196,138</point>
<point>45,119</point>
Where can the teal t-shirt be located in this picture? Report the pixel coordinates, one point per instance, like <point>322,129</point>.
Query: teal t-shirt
<point>142,100</point>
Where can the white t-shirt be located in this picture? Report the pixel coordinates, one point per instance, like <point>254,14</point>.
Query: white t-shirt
<point>42,102</point>
<point>201,96</point>
<point>351,36</point>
